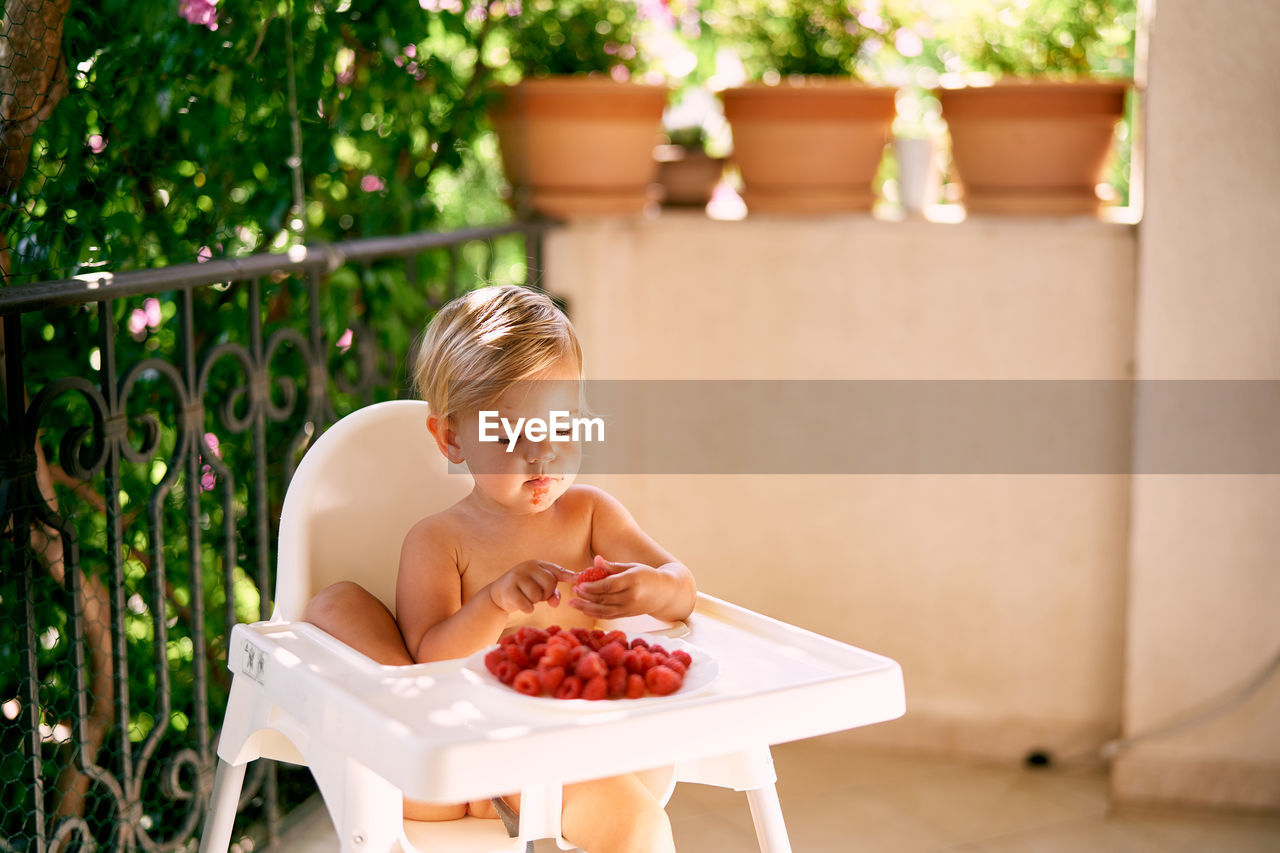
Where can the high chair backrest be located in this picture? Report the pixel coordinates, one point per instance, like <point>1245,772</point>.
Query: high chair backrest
<point>356,493</point>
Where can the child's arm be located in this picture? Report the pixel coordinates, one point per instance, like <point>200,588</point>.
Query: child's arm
<point>434,621</point>
<point>643,577</point>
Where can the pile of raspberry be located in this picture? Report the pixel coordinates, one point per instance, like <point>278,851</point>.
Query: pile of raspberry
<point>574,663</point>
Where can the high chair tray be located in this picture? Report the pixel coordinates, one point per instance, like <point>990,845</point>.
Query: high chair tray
<point>436,734</point>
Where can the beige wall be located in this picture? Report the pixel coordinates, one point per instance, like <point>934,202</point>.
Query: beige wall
<point>1001,596</point>
<point>1026,611</point>
<point>1204,611</point>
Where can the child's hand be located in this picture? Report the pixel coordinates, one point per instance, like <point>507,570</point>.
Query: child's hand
<point>527,584</point>
<point>627,589</point>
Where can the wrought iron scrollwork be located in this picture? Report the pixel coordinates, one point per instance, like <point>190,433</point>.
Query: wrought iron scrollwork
<point>209,437</point>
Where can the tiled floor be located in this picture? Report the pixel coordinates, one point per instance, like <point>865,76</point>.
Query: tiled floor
<point>842,798</point>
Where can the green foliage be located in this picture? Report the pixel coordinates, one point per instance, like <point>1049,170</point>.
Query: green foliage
<point>576,37</point>
<point>783,38</point>
<point>175,141</point>
<point>1057,38</point>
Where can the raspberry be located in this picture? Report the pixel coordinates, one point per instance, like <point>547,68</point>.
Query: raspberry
<point>596,688</point>
<point>566,640</point>
<point>553,630</point>
<point>632,661</point>
<point>506,671</point>
<point>596,640</point>
<point>492,659</point>
<point>595,573</point>
<point>658,650</point>
<point>529,633</point>
<point>507,640</point>
<point>675,665</point>
<point>582,634</point>
<point>591,666</point>
<point>537,651</point>
<point>551,677</point>
<point>635,685</point>
<point>617,681</point>
<point>683,656</point>
<point>639,643</point>
<point>612,653</point>
<point>557,654</point>
<point>570,688</point>
<point>616,637</point>
<point>527,682</point>
<point>662,680</point>
<point>517,655</point>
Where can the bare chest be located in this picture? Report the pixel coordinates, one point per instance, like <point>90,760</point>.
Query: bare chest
<point>490,553</point>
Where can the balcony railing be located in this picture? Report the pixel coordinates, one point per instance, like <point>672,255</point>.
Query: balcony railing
<point>151,421</point>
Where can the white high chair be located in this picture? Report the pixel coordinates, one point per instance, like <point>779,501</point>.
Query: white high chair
<point>371,734</point>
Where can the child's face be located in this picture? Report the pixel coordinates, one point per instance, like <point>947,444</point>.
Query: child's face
<point>532,475</point>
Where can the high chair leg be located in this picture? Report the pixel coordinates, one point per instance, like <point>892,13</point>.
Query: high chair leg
<point>223,804</point>
<point>367,810</point>
<point>766,814</point>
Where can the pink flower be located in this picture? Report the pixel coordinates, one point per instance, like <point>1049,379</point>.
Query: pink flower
<point>372,183</point>
<point>97,144</point>
<point>657,10</point>
<point>138,324</point>
<point>908,43</point>
<point>344,343</point>
<point>151,310</point>
<point>203,13</point>
<point>203,254</point>
<point>209,479</point>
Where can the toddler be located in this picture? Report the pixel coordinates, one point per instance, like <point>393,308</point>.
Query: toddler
<point>508,554</point>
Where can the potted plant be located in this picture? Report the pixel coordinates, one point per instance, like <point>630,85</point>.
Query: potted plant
<point>808,134</point>
<point>577,131</point>
<point>1031,97</point>
<point>687,173</point>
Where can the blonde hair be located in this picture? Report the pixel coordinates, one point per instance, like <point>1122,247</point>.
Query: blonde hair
<point>480,344</point>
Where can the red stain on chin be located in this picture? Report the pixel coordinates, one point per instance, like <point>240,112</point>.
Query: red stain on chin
<point>540,492</point>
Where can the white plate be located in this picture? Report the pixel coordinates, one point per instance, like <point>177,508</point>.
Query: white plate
<point>702,671</point>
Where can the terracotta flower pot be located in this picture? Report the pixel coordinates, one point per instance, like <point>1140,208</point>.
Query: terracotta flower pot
<point>688,176</point>
<point>579,146</point>
<point>1032,147</point>
<point>809,148</point>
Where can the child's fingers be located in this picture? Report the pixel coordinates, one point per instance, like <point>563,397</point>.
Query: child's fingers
<point>532,591</point>
<point>609,566</point>
<point>597,611</point>
<point>616,596</point>
<point>560,573</point>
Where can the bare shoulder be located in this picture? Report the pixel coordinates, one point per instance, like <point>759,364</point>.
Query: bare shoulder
<point>596,500</point>
<point>435,536</point>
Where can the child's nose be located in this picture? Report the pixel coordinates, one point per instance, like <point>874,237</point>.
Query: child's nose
<point>540,451</point>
